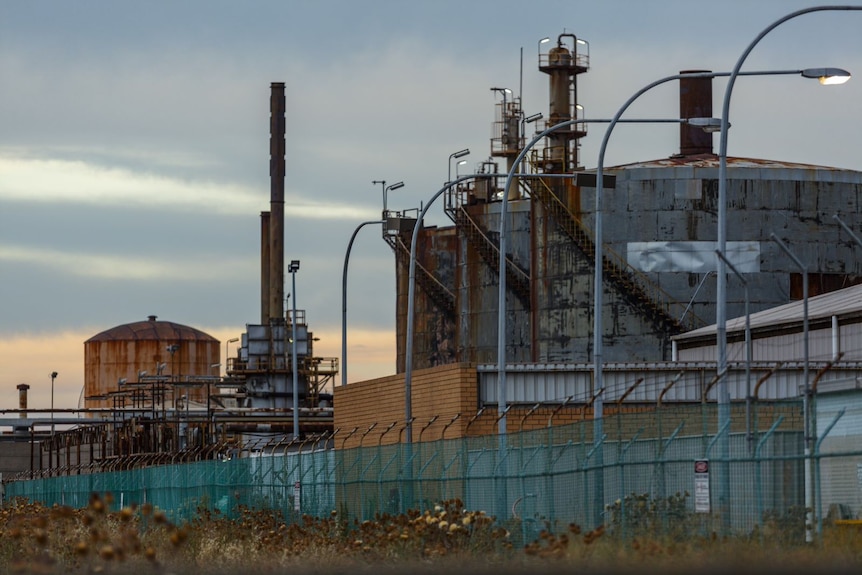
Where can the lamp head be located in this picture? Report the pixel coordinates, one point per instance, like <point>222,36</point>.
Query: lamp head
<point>827,76</point>
<point>53,374</point>
<point>293,266</point>
<point>533,118</point>
<point>709,125</point>
<point>462,153</point>
<point>396,185</point>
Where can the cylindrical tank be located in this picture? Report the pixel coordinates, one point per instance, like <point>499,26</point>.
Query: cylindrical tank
<point>125,351</point>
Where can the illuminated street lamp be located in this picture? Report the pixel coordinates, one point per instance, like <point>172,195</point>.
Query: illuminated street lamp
<point>825,76</point>
<point>544,40</point>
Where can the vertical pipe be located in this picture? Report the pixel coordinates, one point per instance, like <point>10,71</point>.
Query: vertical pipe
<point>22,399</point>
<point>836,337</point>
<point>276,223</point>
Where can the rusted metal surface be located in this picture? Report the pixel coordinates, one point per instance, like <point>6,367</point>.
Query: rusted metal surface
<point>695,101</point>
<point>276,202</point>
<point>124,351</point>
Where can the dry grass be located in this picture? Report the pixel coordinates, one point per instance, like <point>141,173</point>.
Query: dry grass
<point>37,539</point>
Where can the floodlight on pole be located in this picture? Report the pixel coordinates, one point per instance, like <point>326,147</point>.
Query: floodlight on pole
<point>544,40</point>
<point>292,268</point>
<point>395,186</point>
<point>456,155</point>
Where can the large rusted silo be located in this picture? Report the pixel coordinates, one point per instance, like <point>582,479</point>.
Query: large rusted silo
<point>177,355</point>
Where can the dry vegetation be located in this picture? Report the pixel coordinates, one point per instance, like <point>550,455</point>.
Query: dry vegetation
<point>139,539</point>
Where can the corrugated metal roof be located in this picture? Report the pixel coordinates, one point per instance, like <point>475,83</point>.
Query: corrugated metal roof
<point>151,329</point>
<point>843,302</point>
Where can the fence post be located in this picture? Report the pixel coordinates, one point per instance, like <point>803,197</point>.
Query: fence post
<point>758,478</point>
<point>817,493</point>
<point>622,498</point>
<point>598,444</point>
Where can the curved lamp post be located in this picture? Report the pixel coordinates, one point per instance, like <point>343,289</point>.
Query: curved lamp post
<point>395,186</point>
<point>344,300</point>
<point>411,290</point>
<point>705,123</point>
<point>456,155</point>
<point>386,189</point>
<point>826,76</point>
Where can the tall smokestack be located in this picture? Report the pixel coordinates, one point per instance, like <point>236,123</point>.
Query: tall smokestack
<point>276,201</point>
<point>695,101</point>
<point>264,268</point>
<point>22,399</point>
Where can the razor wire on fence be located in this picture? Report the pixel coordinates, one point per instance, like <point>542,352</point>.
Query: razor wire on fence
<point>639,477</point>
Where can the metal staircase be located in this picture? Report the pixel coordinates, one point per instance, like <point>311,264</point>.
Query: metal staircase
<point>433,288</point>
<point>635,286</point>
<point>517,279</point>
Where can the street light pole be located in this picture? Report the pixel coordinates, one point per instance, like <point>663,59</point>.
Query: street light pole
<point>721,279</point>
<point>501,305</point>
<point>226,354</point>
<point>395,186</point>
<point>293,267</point>
<point>748,436</point>
<point>53,377</point>
<point>344,299</point>
<point>808,432</point>
<point>458,154</point>
<point>411,291</point>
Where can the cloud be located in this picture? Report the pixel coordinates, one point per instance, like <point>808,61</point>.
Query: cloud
<point>120,267</point>
<point>61,181</point>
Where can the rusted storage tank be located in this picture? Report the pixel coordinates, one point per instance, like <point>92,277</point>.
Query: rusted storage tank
<point>175,357</point>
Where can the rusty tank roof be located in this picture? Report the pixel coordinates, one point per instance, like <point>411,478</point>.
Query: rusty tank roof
<point>712,161</point>
<point>151,329</point>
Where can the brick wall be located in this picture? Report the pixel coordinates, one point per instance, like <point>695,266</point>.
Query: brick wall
<point>443,392</point>
<point>450,390</point>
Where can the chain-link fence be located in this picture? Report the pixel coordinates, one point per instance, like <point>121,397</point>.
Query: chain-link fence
<point>661,471</point>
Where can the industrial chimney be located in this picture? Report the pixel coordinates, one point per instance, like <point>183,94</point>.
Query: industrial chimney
<point>695,101</point>
<point>22,399</point>
<point>276,201</point>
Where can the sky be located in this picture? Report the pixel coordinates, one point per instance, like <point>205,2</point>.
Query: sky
<point>134,144</point>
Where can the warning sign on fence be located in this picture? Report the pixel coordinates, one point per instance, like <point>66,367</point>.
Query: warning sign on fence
<point>701,486</point>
